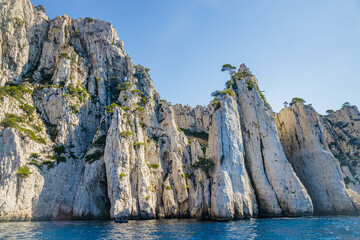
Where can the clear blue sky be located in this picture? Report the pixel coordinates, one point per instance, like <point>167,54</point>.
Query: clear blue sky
<point>296,48</point>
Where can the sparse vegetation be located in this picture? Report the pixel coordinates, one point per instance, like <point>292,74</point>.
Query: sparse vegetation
<point>202,135</point>
<point>35,155</point>
<point>29,110</point>
<point>141,72</point>
<point>228,68</point>
<point>329,111</point>
<point>240,75</point>
<point>13,121</point>
<point>35,162</point>
<point>125,108</point>
<point>76,34</point>
<point>168,187</point>
<point>180,130</point>
<point>48,163</point>
<point>139,144</point>
<point>155,138</point>
<point>126,134</point>
<point>216,103</point>
<point>45,77</point>
<point>78,92</point>
<point>221,94</point>
<point>64,55</point>
<point>139,109</point>
<point>143,101</point>
<point>111,108</point>
<point>16,92</point>
<point>154,166</point>
<point>33,136</point>
<point>18,21</point>
<point>23,172</point>
<point>347,180</point>
<point>138,92</point>
<point>75,108</point>
<point>262,96</point>
<point>204,164</point>
<point>100,142</point>
<point>347,104</point>
<point>151,189</point>
<point>59,149</point>
<point>94,156</point>
<point>122,176</point>
<point>250,84</point>
<point>296,100</point>
<point>147,197</point>
<point>88,19</point>
<point>124,86</point>
<point>41,8</point>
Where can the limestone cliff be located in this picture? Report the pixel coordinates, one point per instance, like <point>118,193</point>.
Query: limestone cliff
<point>84,135</point>
<point>278,189</point>
<point>306,147</point>
<point>342,131</point>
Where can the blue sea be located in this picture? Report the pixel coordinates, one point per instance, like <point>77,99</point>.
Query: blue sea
<point>334,227</point>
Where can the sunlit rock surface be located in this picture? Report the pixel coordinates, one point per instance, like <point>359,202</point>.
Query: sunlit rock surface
<point>84,135</point>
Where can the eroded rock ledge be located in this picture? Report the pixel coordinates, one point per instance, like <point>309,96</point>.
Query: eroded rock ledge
<point>84,135</point>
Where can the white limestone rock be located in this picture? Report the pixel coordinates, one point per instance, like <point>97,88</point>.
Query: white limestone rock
<point>305,145</point>
<point>232,196</point>
<point>278,189</point>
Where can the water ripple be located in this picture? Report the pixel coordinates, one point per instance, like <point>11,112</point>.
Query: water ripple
<point>339,227</point>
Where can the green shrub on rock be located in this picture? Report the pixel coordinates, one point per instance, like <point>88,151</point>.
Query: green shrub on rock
<point>64,55</point>
<point>296,100</point>
<point>94,156</point>
<point>23,172</point>
<point>137,144</point>
<point>154,166</point>
<point>111,108</point>
<point>41,8</point>
<point>126,134</point>
<point>28,109</point>
<point>203,164</point>
<point>122,176</point>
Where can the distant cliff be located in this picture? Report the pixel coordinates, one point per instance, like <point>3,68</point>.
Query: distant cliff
<point>84,135</point>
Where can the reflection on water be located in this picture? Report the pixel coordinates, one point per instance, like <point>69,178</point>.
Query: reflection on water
<point>342,227</point>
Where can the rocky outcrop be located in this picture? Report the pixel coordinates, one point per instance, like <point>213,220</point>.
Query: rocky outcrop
<point>232,195</point>
<point>307,150</point>
<point>278,189</point>
<point>193,119</point>
<point>84,135</point>
<point>22,35</point>
<point>342,131</point>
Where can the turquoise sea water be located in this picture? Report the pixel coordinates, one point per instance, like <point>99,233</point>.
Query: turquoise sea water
<point>339,227</point>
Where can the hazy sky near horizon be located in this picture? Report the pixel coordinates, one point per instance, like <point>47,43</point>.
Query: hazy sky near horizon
<point>299,48</point>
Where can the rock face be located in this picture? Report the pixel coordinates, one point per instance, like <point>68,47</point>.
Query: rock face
<point>278,189</point>
<point>21,37</point>
<point>342,131</point>
<point>307,149</point>
<point>232,193</point>
<point>193,119</point>
<point>84,135</point>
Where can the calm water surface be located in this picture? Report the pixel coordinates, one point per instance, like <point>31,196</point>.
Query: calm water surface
<point>340,227</point>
